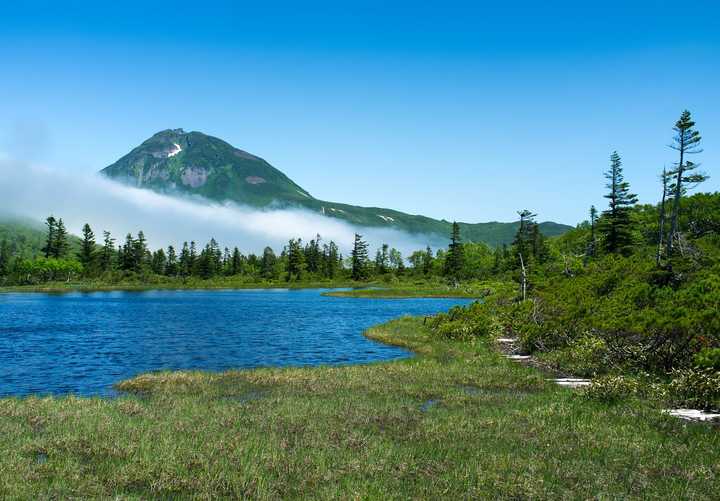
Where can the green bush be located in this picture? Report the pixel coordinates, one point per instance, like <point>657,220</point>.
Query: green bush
<point>586,356</point>
<point>465,323</point>
<point>708,358</point>
<point>611,389</point>
<point>695,388</point>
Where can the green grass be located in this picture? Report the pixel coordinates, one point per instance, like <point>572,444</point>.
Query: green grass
<point>494,430</point>
<point>406,292</point>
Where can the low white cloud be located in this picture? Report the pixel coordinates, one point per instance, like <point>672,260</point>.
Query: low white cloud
<point>36,192</point>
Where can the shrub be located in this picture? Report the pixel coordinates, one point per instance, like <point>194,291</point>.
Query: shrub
<point>708,358</point>
<point>465,323</point>
<point>695,388</point>
<point>585,356</point>
<point>611,389</point>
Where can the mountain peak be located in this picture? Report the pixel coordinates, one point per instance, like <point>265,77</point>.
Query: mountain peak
<point>179,162</point>
<point>175,162</point>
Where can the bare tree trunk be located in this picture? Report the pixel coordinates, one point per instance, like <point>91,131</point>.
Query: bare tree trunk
<point>678,192</point>
<point>661,224</point>
<point>523,278</point>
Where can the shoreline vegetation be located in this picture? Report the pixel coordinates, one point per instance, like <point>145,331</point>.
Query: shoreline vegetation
<point>457,420</point>
<point>373,289</point>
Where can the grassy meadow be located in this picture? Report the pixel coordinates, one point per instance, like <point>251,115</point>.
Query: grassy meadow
<point>457,421</point>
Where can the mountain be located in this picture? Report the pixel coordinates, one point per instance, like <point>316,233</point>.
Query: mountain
<point>177,162</point>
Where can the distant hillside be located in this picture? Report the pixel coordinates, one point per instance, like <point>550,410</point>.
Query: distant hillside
<point>177,162</point>
<point>26,237</point>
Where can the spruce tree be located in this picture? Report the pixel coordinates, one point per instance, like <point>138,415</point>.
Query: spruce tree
<point>60,248</point>
<point>192,259</point>
<point>455,259</point>
<point>128,261</point>
<point>159,262</point>
<point>171,269</point>
<point>331,256</point>
<point>268,263</point>
<point>86,256</point>
<point>524,246</point>
<point>427,261</point>
<point>359,259</point>
<point>184,262</point>
<point>236,262</point>
<point>313,255</point>
<point>295,260</point>
<point>686,142</point>
<point>49,249</point>
<point>141,255</point>
<point>617,223</point>
<point>592,246</point>
<point>106,254</point>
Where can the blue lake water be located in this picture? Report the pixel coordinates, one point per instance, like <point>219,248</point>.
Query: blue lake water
<point>83,343</point>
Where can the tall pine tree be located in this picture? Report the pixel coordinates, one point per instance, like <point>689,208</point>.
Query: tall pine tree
<point>86,256</point>
<point>455,258</point>
<point>617,225</point>
<point>49,248</point>
<point>106,255</point>
<point>359,259</point>
<point>61,246</point>
<point>686,142</point>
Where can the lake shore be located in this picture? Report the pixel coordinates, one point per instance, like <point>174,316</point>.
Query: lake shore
<point>372,289</point>
<point>456,421</point>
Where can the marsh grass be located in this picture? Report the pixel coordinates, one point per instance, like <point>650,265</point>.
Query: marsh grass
<point>354,432</point>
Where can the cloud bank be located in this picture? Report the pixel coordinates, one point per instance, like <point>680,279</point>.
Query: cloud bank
<point>36,192</point>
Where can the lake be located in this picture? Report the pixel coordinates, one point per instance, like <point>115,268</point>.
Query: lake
<point>83,343</point>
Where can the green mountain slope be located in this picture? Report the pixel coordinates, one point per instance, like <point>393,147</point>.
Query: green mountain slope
<point>26,237</point>
<point>177,162</point>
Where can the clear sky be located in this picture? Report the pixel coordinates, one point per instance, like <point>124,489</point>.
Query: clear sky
<point>466,111</point>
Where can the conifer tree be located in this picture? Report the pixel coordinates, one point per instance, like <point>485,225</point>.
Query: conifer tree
<point>313,255</point>
<point>86,256</point>
<point>236,262</point>
<point>268,264</point>
<point>185,261</point>
<point>106,254</point>
<point>331,256</point>
<point>686,142</point>
<point>617,223</point>
<point>159,262</point>
<point>524,247</point>
<point>171,269</point>
<point>359,259</point>
<point>427,261</point>
<point>192,259</point>
<point>455,259</point>
<point>60,249</point>
<point>128,254</point>
<point>49,248</point>
<point>141,255</point>
<point>295,260</point>
<point>592,246</point>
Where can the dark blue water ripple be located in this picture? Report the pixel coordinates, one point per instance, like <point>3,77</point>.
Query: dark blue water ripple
<point>82,343</point>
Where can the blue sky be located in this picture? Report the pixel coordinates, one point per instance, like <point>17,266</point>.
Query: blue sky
<point>457,111</point>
